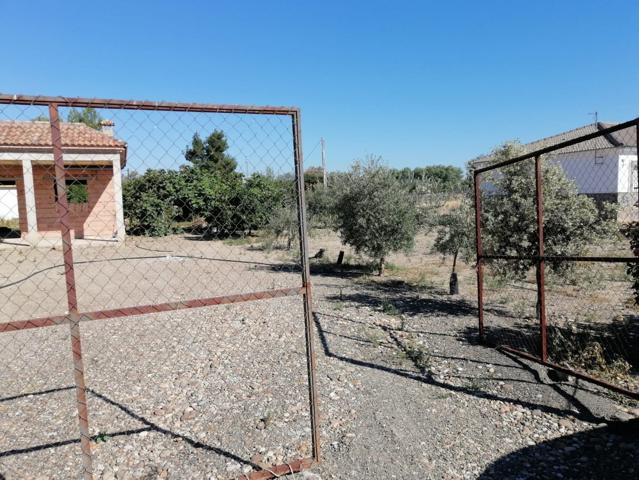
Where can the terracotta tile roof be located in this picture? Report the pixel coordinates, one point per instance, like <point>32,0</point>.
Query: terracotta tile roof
<point>38,134</point>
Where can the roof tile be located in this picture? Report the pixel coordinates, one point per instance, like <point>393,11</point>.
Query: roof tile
<point>38,134</point>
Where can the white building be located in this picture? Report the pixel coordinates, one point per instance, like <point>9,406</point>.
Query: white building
<point>8,201</point>
<point>604,168</point>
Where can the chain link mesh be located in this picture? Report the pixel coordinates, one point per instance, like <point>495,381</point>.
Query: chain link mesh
<point>168,213</point>
<point>557,271</point>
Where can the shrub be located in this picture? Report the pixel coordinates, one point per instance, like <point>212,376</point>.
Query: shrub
<point>572,222</point>
<point>149,202</point>
<point>375,212</point>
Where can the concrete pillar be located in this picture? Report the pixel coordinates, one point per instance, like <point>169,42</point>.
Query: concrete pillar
<point>29,197</point>
<point>117,197</point>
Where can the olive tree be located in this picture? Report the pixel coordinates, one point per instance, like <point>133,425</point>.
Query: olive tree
<point>572,222</point>
<point>455,236</point>
<point>376,214</point>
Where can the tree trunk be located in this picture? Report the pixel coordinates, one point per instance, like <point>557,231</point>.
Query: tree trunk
<point>453,285</point>
<point>380,268</point>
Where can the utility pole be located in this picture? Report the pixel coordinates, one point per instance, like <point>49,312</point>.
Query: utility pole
<point>323,144</point>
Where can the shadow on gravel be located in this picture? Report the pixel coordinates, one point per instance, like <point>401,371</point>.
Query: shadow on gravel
<point>424,376</point>
<point>614,340</point>
<point>148,427</point>
<point>609,452</point>
<point>399,297</point>
<point>402,297</point>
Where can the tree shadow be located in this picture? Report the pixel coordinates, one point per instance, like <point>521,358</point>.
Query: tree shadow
<point>609,452</point>
<point>400,297</point>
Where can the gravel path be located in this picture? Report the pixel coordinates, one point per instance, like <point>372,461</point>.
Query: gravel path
<point>410,395</point>
<point>405,392</point>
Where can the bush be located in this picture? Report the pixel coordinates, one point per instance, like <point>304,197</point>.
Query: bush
<point>631,232</point>
<point>572,222</point>
<point>149,202</point>
<point>375,212</point>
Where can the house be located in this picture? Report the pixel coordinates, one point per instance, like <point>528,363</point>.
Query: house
<point>93,161</point>
<point>604,168</point>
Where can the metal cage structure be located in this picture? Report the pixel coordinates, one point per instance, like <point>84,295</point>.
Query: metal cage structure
<point>136,282</point>
<point>544,212</point>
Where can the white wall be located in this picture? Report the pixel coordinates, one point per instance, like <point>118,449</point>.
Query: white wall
<point>592,175</point>
<point>626,163</point>
<point>8,202</point>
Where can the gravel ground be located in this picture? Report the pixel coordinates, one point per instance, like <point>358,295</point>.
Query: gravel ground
<point>210,393</point>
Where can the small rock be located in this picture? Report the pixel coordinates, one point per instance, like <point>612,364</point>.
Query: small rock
<point>623,416</point>
<point>310,476</point>
<point>505,409</point>
<point>564,422</point>
<point>188,414</point>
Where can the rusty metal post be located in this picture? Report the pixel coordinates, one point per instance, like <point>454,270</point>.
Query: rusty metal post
<point>72,301</point>
<point>480,253</point>
<point>306,279</point>
<point>541,264</point>
<point>637,155</point>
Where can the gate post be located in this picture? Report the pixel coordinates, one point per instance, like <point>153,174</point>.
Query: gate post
<point>306,279</point>
<point>73,316</point>
<point>540,263</point>
<point>480,256</point>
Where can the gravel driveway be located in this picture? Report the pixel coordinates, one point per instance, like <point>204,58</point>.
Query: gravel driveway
<point>405,390</point>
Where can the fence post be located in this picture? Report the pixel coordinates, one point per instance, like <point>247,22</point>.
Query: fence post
<point>72,301</point>
<point>480,254</point>
<point>541,264</point>
<point>306,279</point>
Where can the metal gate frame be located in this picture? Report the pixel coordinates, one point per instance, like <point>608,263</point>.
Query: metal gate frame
<point>540,259</point>
<point>75,317</point>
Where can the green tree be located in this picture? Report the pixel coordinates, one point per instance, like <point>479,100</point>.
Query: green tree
<point>313,177</point>
<point>631,232</point>
<point>210,154</point>
<point>149,202</point>
<point>455,237</point>
<point>89,116</point>
<point>448,177</point>
<point>283,223</point>
<point>376,214</point>
<point>261,196</point>
<point>572,222</point>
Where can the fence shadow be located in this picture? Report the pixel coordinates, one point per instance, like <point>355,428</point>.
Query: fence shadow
<point>577,409</point>
<point>602,349</point>
<point>149,426</point>
<point>609,452</point>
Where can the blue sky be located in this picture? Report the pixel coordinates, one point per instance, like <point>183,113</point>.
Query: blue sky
<point>420,83</point>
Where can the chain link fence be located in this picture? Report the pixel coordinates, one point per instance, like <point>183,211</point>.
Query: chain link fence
<point>555,260</point>
<point>123,223</point>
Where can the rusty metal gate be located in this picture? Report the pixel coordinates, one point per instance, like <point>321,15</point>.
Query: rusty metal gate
<point>131,219</point>
<point>555,256</point>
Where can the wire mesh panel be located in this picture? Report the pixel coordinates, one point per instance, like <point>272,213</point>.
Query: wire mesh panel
<point>560,221</point>
<point>589,201</point>
<point>132,219</point>
<point>508,225</point>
